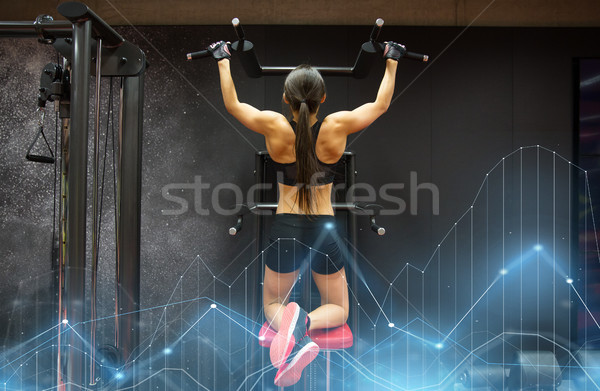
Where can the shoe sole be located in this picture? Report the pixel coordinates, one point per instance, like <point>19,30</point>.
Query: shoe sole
<point>289,374</point>
<point>284,341</point>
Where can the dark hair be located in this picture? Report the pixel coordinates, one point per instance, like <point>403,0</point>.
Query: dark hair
<point>304,89</point>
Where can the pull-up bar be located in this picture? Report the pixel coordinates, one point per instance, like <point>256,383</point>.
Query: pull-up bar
<point>359,70</point>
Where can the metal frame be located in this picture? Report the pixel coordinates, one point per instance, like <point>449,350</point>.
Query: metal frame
<point>75,39</point>
<point>364,61</point>
<point>351,225</point>
<point>359,70</point>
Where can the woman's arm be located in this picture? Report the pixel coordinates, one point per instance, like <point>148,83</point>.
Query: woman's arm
<point>262,122</point>
<point>353,121</point>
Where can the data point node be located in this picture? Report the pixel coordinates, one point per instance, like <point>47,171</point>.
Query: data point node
<point>261,338</point>
<point>503,272</point>
<point>391,324</point>
<point>65,321</point>
<point>213,306</point>
<point>167,351</point>
<point>439,345</point>
<point>538,247</point>
<point>569,280</point>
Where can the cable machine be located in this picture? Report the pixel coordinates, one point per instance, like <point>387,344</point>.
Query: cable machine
<point>89,46</point>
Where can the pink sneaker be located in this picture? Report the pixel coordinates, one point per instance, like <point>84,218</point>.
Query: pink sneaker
<point>291,330</point>
<point>290,373</point>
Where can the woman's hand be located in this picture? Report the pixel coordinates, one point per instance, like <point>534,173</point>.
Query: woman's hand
<point>393,50</point>
<point>220,50</point>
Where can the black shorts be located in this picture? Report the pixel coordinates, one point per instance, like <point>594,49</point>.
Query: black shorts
<point>296,239</point>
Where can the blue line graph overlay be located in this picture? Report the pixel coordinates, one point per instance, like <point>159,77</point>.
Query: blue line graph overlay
<point>505,277</point>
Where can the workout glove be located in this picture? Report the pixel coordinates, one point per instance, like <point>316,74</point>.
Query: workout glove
<point>393,50</point>
<point>219,50</point>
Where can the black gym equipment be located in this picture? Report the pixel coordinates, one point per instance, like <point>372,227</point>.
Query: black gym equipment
<point>534,370</point>
<point>483,376</point>
<point>54,86</point>
<point>67,84</point>
<point>368,51</point>
<point>265,203</point>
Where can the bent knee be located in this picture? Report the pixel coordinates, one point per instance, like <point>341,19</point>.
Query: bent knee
<point>346,313</point>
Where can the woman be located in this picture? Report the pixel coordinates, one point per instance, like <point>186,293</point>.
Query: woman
<point>304,152</point>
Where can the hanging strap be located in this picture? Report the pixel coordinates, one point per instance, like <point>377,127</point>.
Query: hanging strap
<point>40,158</point>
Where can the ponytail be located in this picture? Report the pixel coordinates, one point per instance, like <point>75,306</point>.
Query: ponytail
<point>304,88</point>
<point>307,164</point>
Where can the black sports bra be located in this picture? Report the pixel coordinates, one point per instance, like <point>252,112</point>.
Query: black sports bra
<point>287,172</point>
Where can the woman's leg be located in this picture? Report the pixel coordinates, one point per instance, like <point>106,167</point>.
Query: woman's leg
<point>334,308</point>
<point>276,294</point>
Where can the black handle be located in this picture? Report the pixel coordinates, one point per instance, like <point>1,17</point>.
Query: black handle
<point>239,31</point>
<point>416,56</point>
<point>410,55</point>
<point>376,30</point>
<point>197,55</point>
<point>39,159</point>
<point>379,230</point>
<point>238,227</point>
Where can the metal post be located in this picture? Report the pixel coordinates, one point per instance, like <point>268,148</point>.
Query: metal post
<point>64,169</point>
<point>259,178</point>
<point>64,109</point>
<point>352,235</point>
<point>259,174</point>
<point>95,216</point>
<point>129,216</point>
<point>328,369</point>
<point>76,203</point>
